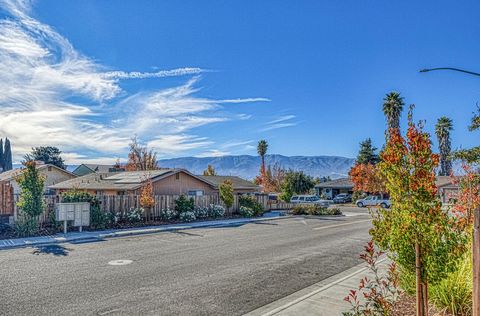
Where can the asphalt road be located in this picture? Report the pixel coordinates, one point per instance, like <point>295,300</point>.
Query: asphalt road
<point>215,271</point>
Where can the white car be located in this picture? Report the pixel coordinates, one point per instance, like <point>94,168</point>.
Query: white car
<point>373,200</point>
<point>309,199</point>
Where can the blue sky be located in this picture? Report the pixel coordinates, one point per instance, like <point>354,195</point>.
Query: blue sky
<point>214,77</point>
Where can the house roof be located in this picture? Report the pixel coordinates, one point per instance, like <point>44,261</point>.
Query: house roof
<point>442,181</point>
<point>12,174</point>
<point>343,183</point>
<point>347,183</point>
<point>126,180</point>
<point>237,182</point>
<point>95,167</point>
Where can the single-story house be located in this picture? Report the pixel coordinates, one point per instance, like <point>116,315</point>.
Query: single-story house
<point>164,182</point>
<point>9,186</point>
<point>330,189</point>
<point>447,189</point>
<point>87,168</point>
<point>51,173</point>
<point>240,186</point>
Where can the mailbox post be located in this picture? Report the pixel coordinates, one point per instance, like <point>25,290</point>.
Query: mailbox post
<point>79,213</point>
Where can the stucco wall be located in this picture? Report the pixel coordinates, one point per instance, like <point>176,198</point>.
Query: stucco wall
<point>52,176</point>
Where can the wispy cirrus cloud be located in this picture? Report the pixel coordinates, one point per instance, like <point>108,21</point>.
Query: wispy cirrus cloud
<point>280,122</point>
<point>156,74</point>
<point>40,72</point>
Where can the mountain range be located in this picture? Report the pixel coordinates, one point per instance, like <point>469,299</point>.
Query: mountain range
<point>248,167</point>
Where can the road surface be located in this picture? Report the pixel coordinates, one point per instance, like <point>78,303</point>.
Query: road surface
<point>214,271</point>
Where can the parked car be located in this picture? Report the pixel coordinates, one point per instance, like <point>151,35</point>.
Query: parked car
<point>309,199</point>
<point>342,198</point>
<point>373,200</point>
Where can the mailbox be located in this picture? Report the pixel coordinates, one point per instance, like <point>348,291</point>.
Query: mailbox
<point>79,213</point>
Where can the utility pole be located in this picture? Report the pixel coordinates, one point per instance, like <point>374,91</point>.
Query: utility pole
<point>476,226</point>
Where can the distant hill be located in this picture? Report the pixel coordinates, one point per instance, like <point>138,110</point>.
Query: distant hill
<point>247,166</point>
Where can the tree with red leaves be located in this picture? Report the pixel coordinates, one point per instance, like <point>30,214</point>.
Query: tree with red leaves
<point>421,237</point>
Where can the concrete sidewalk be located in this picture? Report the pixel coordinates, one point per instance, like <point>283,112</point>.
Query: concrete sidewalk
<point>325,298</point>
<point>102,234</point>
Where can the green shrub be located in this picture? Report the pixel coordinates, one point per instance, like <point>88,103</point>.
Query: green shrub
<point>246,211</point>
<point>251,203</point>
<point>184,204</point>
<point>188,216</point>
<point>201,212</point>
<point>134,215</point>
<point>314,209</point>
<point>168,214</point>
<point>26,227</point>
<point>216,211</point>
<point>454,293</point>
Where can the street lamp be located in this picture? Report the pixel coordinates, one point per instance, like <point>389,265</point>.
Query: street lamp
<point>476,225</point>
<point>453,69</point>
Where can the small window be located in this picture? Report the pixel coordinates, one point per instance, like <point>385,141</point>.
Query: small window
<point>294,198</point>
<point>49,168</point>
<point>302,198</point>
<point>195,193</point>
<point>177,176</point>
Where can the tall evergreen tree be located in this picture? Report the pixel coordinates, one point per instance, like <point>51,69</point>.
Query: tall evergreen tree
<point>7,165</point>
<point>392,108</point>
<point>443,128</point>
<point>2,156</point>
<point>49,155</point>
<point>367,153</point>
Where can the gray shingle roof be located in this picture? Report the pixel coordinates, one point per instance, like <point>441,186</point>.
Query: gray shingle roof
<point>238,183</point>
<point>128,180</point>
<point>344,183</point>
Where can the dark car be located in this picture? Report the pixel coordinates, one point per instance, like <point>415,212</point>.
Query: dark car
<point>342,198</point>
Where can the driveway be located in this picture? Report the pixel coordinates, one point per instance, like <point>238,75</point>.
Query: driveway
<point>214,271</point>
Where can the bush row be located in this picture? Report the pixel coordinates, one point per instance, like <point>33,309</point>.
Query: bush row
<point>314,209</point>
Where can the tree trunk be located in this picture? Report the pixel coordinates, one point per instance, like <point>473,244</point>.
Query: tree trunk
<point>476,262</point>
<point>420,286</point>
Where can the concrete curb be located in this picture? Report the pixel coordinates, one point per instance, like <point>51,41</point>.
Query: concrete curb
<point>100,235</point>
<point>304,294</point>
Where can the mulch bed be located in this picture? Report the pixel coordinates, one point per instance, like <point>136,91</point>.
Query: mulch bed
<point>7,232</point>
<point>406,306</point>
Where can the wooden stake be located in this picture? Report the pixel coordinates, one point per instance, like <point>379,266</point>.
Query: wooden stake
<point>476,263</point>
<point>420,289</point>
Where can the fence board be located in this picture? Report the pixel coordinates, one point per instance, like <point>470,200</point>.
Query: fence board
<point>121,204</point>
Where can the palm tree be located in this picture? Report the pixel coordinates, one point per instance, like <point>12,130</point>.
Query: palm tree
<point>443,128</point>
<point>392,108</point>
<point>262,150</point>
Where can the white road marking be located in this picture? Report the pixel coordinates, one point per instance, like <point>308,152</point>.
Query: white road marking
<point>121,262</point>
<point>338,225</point>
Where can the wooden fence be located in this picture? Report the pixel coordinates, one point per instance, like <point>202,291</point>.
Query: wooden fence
<point>121,204</point>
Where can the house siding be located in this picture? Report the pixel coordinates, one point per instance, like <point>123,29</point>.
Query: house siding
<point>184,183</point>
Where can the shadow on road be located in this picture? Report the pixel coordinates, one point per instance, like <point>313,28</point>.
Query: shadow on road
<point>56,250</point>
<point>265,223</point>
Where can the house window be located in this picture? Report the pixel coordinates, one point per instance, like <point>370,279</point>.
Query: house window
<point>177,176</point>
<point>49,168</point>
<point>195,192</point>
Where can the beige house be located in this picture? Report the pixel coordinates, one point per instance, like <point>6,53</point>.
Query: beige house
<point>9,187</point>
<point>164,182</point>
<point>52,175</point>
<point>447,189</point>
